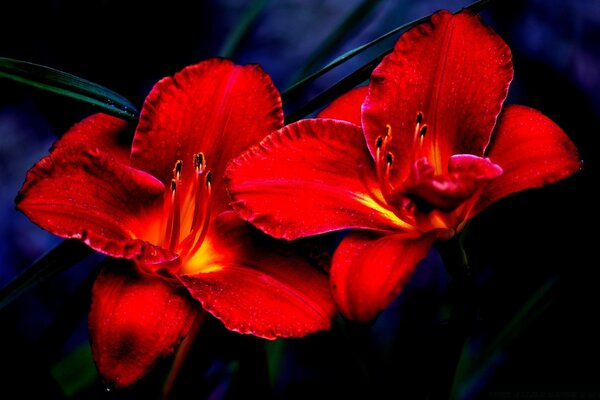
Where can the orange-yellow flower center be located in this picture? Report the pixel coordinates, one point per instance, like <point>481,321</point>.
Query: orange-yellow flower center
<point>187,209</point>
<point>430,192</point>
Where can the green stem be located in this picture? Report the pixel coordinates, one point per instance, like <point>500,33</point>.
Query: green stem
<point>455,333</point>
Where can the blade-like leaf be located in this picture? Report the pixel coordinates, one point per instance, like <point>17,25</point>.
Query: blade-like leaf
<point>76,371</point>
<point>63,256</point>
<point>359,13</point>
<point>471,365</point>
<point>235,37</point>
<point>340,87</point>
<point>64,84</point>
<point>295,88</point>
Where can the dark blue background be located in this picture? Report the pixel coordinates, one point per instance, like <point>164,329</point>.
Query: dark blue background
<point>539,238</point>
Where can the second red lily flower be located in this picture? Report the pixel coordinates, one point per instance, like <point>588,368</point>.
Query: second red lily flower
<point>404,162</point>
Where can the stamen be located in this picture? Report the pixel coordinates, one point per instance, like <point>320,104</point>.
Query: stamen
<point>172,231</point>
<point>418,125</point>
<point>205,214</point>
<point>383,162</point>
<point>389,159</point>
<point>423,131</point>
<point>199,165</point>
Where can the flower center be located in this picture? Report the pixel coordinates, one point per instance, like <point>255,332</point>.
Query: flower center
<point>187,209</point>
<point>385,160</point>
<point>424,186</point>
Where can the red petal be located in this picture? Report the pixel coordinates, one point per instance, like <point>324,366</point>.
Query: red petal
<point>214,107</point>
<point>347,106</point>
<point>531,149</point>
<point>310,177</point>
<point>467,174</point>
<point>134,321</point>
<point>85,194</point>
<point>451,73</point>
<point>103,132</point>
<point>258,285</point>
<point>369,270</point>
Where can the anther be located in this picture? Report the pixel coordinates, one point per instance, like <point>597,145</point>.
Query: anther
<point>423,130</point>
<point>419,117</point>
<point>199,162</point>
<point>209,178</point>
<point>173,185</point>
<point>379,142</point>
<point>177,169</point>
<point>389,158</point>
<point>388,130</point>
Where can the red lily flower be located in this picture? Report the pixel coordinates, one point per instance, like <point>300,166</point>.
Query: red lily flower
<point>405,161</point>
<point>165,210</point>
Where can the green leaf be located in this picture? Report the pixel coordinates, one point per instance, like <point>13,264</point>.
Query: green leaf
<point>356,77</point>
<point>241,29</point>
<point>76,372</point>
<point>471,365</point>
<point>63,256</point>
<point>342,86</point>
<point>64,84</point>
<point>360,12</point>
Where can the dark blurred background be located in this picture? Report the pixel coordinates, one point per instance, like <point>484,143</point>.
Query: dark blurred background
<point>534,303</point>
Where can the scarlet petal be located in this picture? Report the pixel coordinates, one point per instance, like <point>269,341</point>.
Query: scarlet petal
<point>87,195</point>
<point>102,132</point>
<point>258,285</point>
<point>467,175</point>
<point>134,321</point>
<point>369,270</point>
<point>347,107</point>
<point>311,177</point>
<point>452,75</point>
<point>531,149</point>
<point>214,107</point>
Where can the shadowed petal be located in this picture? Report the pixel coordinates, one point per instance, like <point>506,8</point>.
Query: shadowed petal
<point>369,270</point>
<point>257,285</point>
<point>347,107</point>
<point>311,177</point>
<point>103,132</point>
<point>214,107</point>
<point>134,321</point>
<point>450,75</point>
<point>532,151</point>
<point>85,194</point>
